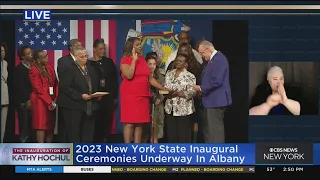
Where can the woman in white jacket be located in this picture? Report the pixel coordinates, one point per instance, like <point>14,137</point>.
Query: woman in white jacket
<point>4,90</point>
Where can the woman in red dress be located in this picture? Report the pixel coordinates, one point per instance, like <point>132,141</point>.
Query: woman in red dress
<point>44,93</point>
<point>135,91</point>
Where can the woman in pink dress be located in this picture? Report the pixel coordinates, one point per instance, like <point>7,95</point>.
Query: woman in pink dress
<point>135,91</point>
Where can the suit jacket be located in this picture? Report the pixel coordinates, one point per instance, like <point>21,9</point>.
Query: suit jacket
<point>73,84</point>
<point>4,83</point>
<point>215,87</point>
<point>63,63</point>
<point>22,85</point>
<point>41,87</point>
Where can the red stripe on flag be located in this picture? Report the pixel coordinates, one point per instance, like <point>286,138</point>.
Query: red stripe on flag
<point>16,124</point>
<point>17,59</point>
<point>113,55</point>
<point>82,32</point>
<point>50,57</point>
<point>96,29</point>
<point>64,53</point>
<point>112,40</point>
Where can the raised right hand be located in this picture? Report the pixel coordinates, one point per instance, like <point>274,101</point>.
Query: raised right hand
<point>134,55</point>
<point>86,97</point>
<point>273,100</point>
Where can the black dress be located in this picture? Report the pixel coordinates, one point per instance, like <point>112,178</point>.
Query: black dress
<point>106,70</point>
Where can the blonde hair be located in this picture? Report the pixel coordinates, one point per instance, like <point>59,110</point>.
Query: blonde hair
<point>272,70</point>
<point>206,44</point>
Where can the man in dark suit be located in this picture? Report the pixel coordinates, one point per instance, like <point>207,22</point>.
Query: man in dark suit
<point>77,83</point>
<point>63,63</point>
<point>215,92</point>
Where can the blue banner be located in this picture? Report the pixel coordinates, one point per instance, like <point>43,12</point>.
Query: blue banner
<point>39,169</point>
<point>164,154</point>
<point>316,154</point>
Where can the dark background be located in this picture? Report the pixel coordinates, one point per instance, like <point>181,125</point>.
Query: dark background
<point>228,36</point>
<point>231,38</point>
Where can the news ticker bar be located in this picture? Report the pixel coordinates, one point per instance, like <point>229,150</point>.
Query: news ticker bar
<point>134,169</point>
<point>160,154</point>
<point>268,169</point>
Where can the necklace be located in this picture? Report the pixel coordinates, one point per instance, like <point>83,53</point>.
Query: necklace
<point>97,61</point>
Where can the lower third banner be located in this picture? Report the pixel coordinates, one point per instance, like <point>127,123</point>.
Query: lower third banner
<point>36,154</point>
<point>164,154</point>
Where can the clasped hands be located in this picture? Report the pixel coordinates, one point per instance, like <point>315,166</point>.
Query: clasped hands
<point>52,106</point>
<point>174,93</point>
<point>277,98</point>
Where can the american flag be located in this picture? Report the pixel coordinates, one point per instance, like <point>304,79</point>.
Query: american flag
<point>54,36</point>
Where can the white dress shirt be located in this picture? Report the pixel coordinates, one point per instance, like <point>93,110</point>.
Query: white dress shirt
<point>73,57</point>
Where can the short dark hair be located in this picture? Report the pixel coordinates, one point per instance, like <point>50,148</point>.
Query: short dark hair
<point>151,55</point>
<point>72,43</point>
<point>193,64</point>
<point>97,42</point>
<point>185,57</point>
<point>21,50</point>
<point>127,51</point>
<point>4,45</point>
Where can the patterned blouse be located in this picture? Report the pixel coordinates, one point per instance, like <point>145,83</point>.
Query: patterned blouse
<point>179,106</point>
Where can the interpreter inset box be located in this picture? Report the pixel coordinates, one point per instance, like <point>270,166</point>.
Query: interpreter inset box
<point>283,88</point>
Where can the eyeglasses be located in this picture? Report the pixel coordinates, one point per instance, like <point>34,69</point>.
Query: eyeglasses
<point>83,57</point>
<point>201,53</point>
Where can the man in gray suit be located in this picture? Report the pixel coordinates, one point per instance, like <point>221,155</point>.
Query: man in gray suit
<point>215,92</point>
<point>63,63</point>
